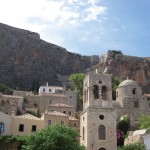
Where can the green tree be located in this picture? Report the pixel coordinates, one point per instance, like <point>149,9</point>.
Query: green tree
<point>136,146</point>
<point>124,124</point>
<point>33,85</point>
<point>58,137</point>
<point>37,86</point>
<point>77,80</point>
<point>144,122</point>
<point>5,89</point>
<point>115,83</point>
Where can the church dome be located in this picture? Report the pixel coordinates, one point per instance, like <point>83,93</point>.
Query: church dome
<point>128,83</point>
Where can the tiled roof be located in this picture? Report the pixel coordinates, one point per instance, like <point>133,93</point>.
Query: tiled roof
<point>60,105</point>
<point>56,113</point>
<point>72,118</point>
<point>28,116</point>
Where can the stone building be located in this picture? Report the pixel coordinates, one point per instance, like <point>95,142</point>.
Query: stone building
<point>9,103</point>
<point>139,136</point>
<point>131,102</point>
<point>98,118</point>
<point>26,124</point>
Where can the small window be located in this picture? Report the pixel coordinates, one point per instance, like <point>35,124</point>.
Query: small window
<point>43,89</point>
<point>75,124</point>
<point>64,112</point>
<point>83,132</point>
<point>148,98</point>
<point>49,122</point>
<point>136,104</point>
<point>116,93</point>
<point>62,122</point>
<point>70,97</point>
<point>21,127</point>
<point>100,82</point>
<point>134,91</point>
<point>101,117</point>
<point>2,126</point>
<point>70,113</point>
<point>33,128</point>
<point>50,90</point>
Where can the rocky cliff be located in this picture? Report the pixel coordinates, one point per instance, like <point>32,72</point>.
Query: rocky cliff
<point>123,67</point>
<point>25,57</point>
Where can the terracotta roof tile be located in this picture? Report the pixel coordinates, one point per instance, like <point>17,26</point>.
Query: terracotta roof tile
<point>60,105</point>
<point>28,116</point>
<point>56,113</point>
<point>72,118</point>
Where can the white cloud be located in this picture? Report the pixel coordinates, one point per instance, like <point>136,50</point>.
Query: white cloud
<point>17,12</point>
<point>93,12</point>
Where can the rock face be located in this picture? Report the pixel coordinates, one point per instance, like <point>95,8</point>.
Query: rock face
<point>25,57</point>
<point>123,67</point>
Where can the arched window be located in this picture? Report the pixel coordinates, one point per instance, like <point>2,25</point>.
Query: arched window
<point>102,148</point>
<point>96,91</point>
<point>116,93</point>
<point>104,93</point>
<point>2,126</point>
<point>102,132</point>
<point>83,132</point>
<point>134,91</point>
<point>87,94</point>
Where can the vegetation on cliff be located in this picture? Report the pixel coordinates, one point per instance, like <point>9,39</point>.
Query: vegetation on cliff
<point>5,89</point>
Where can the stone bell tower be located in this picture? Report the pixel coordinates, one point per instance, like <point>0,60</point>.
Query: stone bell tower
<point>98,118</point>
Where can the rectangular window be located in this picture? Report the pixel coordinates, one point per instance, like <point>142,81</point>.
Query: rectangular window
<point>75,124</point>
<point>62,122</point>
<point>69,112</point>
<point>136,104</point>
<point>134,91</point>
<point>43,89</point>
<point>21,127</point>
<point>33,128</point>
<point>50,90</point>
<point>49,122</point>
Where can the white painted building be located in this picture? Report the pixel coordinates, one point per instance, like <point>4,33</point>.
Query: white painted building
<point>49,89</point>
<point>5,124</point>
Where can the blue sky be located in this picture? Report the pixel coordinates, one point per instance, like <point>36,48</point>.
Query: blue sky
<point>87,27</point>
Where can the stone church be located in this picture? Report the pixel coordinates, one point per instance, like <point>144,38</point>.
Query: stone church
<point>100,113</point>
<point>98,118</point>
